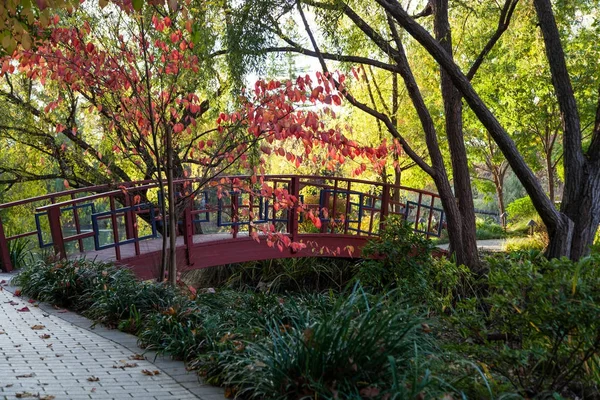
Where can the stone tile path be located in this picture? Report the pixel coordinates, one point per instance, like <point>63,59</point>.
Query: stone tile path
<point>47,353</point>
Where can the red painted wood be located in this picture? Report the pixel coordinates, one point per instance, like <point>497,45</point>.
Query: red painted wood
<point>115,228</point>
<point>56,232</point>
<point>4,253</point>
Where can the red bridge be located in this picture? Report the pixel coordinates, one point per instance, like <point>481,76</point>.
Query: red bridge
<point>217,220</point>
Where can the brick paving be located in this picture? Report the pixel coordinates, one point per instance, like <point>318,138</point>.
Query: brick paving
<point>47,353</point>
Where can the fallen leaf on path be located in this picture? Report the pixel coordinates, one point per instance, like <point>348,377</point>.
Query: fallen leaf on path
<point>30,375</point>
<point>59,355</point>
<point>2,333</point>
<point>31,301</point>
<point>38,327</point>
<point>93,379</point>
<point>12,303</point>
<point>10,385</point>
<point>3,282</point>
<point>23,395</point>
<point>24,309</point>
<point>17,292</point>
<point>126,365</point>
<point>45,336</point>
<point>137,357</point>
<point>47,397</point>
<point>150,373</point>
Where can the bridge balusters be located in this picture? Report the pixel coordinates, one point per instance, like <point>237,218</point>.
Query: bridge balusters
<point>4,253</point>
<point>115,228</point>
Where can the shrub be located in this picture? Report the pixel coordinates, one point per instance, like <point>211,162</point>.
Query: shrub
<point>400,259</point>
<point>488,229</point>
<point>66,283</point>
<point>539,327</point>
<point>521,209</point>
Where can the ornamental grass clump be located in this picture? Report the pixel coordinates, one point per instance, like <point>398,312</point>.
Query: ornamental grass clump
<point>359,349</point>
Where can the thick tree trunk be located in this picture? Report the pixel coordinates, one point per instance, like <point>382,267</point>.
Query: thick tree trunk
<point>456,142</point>
<point>582,208</point>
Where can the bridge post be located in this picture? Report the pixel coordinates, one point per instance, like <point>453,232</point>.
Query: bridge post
<point>293,211</point>
<point>385,201</point>
<point>188,231</point>
<point>4,253</point>
<point>56,232</point>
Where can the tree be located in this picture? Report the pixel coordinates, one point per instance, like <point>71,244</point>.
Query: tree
<point>572,229</point>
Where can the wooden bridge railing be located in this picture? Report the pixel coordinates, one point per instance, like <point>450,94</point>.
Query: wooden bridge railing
<point>344,206</point>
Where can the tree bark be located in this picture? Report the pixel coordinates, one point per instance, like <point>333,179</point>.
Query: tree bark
<point>456,142</point>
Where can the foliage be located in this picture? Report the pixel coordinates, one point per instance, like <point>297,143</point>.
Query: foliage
<point>488,229</point>
<point>538,327</point>
<point>66,283</point>
<point>20,252</point>
<point>521,209</point>
<point>277,276</point>
<point>400,259</point>
<point>536,242</point>
<point>356,350</point>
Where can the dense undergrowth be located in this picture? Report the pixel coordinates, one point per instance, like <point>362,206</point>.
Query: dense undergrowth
<point>396,328</point>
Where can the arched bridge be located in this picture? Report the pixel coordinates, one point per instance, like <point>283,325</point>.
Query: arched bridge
<point>218,220</point>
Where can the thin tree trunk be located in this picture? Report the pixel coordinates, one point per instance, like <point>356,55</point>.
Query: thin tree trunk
<point>172,212</point>
<point>550,174</point>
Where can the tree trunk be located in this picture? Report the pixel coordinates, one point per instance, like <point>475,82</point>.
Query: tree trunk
<point>550,174</point>
<point>582,208</point>
<point>456,142</point>
<point>172,212</point>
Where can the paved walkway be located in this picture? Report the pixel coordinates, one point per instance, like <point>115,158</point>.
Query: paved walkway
<point>48,354</point>
<point>486,245</point>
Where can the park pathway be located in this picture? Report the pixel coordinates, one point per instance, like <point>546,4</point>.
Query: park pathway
<point>48,353</point>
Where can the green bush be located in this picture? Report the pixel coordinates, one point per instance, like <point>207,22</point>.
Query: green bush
<point>66,283</point>
<point>487,228</point>
<point>399,259</point>
<point>521,209</point>
<point>539,326</point>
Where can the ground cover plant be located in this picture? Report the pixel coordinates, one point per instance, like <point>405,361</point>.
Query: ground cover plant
<point>420,327</point>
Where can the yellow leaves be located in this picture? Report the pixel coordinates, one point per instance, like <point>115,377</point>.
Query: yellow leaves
<point>38,327</point>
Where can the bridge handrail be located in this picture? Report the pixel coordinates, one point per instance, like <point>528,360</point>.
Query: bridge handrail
<point>376,214</point>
